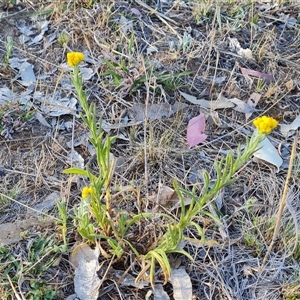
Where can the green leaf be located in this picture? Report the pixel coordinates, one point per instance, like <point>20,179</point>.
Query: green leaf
<point>117,78</point>
<point>216,219</point>
<point>163,261</point>
<point>77,171</point>
<point>184,253</point>
<point>199,229</point>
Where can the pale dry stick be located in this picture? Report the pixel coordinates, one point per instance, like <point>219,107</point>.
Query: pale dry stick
<point>213,81</point>
<point>282,203</point>
<point>294,217</point>
<point>146,180</point>
<point>251,27</point>
<point>108,269</point>
<point>52,181</point>
<point>39,261</point>
<point>30,208</point>
<point>13,288</point>
<point>161,16</point>
<point>213,35</point>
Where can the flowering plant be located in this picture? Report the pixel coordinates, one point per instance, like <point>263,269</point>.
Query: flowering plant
<point>265,124</point>
<point>225,175</point>
<point>74,58</point>
<point>86,191</point>
<point>95,219</point>
<point>97,195</point>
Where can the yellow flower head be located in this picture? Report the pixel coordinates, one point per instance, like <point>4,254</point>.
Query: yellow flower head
<point>74,58</point>
<point>86,191</point>
<point>265,124</point>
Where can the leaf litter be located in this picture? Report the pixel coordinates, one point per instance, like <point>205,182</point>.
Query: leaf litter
<point>195,130</point>
<point>86,279</point>
<point>252,102</point>
<point>268,78</point>
<point>289,129</point>
<point>216,264</point>
<point>215,104</point>
<point>182,285</point>
<point>141,112</point>
<point>12,232</point>
<point>235,46</point>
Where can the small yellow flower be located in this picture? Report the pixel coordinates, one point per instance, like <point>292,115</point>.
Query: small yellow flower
<point>86,191</point>
<point>74,58</point>
<point>265,124</point>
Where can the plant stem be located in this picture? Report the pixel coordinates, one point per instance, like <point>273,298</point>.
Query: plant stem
<point>282,203</point>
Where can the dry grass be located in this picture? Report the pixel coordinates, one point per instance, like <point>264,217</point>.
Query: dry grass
<point>155,153</point>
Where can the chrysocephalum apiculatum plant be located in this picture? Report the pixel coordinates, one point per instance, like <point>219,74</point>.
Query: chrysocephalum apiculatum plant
<point>93,215</point>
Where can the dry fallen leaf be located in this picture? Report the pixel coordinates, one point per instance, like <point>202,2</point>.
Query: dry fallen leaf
<point>11,232</point>
<point>25,71</point>
<point>213,117</point>
<point>125,24</point>
<point>252,101</point>
<point>56,106</point>
<point>46,205</point>
<point>86,280</point>
<point>268,78</point>
<point>268,153</point>
<point>289,85</point>
<point>195,130</point>
<point>285,129</point>
<point>235,46</point>
<point>154,111</point>
<point>182,285</point>
<point>241,106</point>
<point>163,196</point>
<point>42,120</point>
<point>159,293</point>
<point>272,90</point>
<point>75,159</point>
<point>216,104</point>
<point>129,281</point>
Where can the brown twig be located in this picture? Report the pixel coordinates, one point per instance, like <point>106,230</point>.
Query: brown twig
<point>282,203</point>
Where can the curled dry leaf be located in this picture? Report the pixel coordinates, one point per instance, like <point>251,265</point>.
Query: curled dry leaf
<point>11,232</point>
<point>212,105</point>
<point>136,12</point>
<point>285,129</point>
<point>159,293</point>
<point>235,46</point>
<point>252,101</point>
<point>164,195</point>
<point>268,153</point>
<point>241,106</point>
<point>289,85</point>
<point>86,280</point>
<point>182,285</point>
<point>268,78</point>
